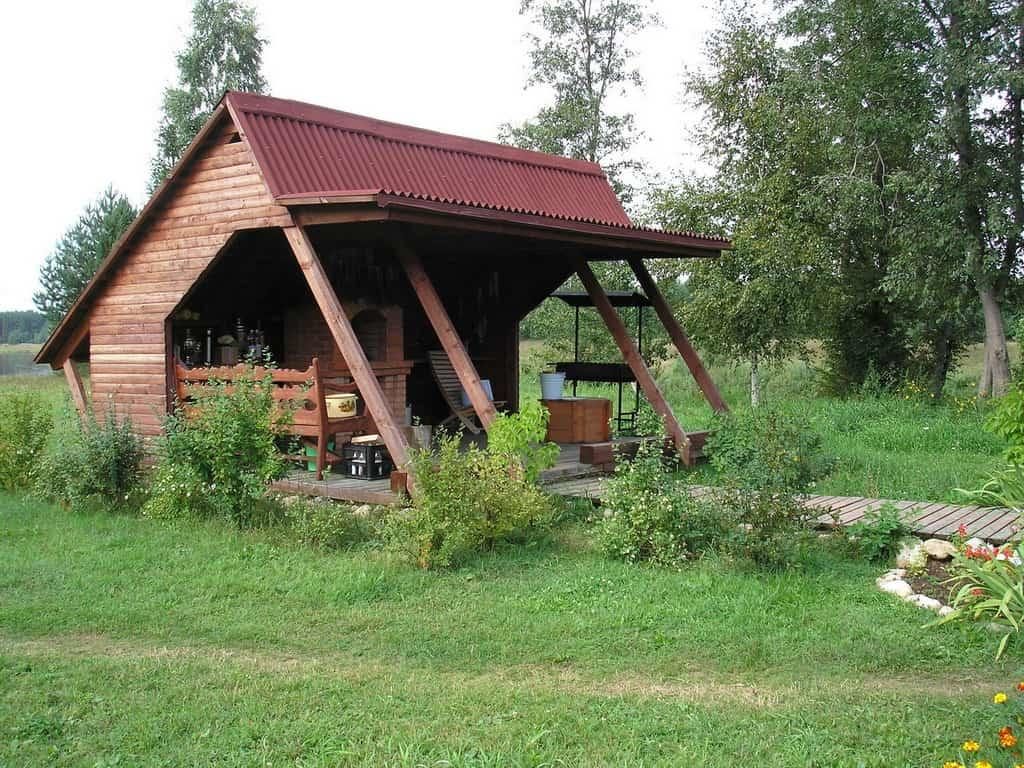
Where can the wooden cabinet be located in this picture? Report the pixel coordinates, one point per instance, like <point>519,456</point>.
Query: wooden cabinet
<point>579,419</point>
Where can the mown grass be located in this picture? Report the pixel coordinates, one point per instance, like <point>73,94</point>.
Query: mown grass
<point>126,641</point>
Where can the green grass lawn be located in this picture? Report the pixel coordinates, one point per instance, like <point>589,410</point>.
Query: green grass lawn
<point>125,641</point>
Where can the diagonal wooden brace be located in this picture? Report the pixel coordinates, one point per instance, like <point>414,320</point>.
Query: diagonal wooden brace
<point>347,341</point>
<point>678,336</point>
<point>636,364</point>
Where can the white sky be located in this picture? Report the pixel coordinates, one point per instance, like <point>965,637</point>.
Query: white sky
<point>82,82</point>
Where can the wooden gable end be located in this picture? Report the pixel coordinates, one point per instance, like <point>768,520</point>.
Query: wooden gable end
<point>216,193</point>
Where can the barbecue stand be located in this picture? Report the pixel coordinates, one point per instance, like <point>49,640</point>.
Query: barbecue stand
<point>606,373</point>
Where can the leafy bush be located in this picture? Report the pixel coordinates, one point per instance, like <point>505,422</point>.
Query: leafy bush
<point>772,529</point>
<point>877,535</point>
<point>519,439</point>
<point>25,424</point>
<point>763,450</point>
<point>219,452</point>
<point>326,524</point>
<point>1007,421</point>
<point>988,584</point>
<point>466,502</point>
<point>95,461</point>
<point>650,515</point>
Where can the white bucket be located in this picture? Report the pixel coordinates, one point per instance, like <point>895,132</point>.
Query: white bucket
<point>551,386</point>
<point>486,384</point>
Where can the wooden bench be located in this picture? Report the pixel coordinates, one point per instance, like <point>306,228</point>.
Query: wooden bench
<point>304,391</point>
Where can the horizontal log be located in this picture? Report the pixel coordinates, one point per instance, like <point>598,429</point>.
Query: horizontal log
<point>256,189</point>
<point>219,206</point>
<point>226,227</point>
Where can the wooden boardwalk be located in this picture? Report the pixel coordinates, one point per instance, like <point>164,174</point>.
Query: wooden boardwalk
<point>928,519</point>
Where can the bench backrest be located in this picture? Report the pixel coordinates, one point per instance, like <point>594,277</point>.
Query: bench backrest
<point>303,391</point>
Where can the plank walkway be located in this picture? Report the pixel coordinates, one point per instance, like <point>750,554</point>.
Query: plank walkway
<point>572,479</point>
<point>928,519</point>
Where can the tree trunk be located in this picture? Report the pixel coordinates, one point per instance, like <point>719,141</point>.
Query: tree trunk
<point>995,376</point>
<point>755,382</point>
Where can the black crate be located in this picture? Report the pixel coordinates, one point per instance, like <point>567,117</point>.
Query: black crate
<point>367,461</point>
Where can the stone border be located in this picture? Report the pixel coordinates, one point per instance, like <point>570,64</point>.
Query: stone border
<point>892,582</point>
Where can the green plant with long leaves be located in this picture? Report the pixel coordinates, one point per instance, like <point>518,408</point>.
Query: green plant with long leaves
<point>988,586</point>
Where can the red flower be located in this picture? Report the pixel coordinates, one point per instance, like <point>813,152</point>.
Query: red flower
<point>962,531</point>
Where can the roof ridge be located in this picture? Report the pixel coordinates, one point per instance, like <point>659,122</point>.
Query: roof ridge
<point>402,133</point>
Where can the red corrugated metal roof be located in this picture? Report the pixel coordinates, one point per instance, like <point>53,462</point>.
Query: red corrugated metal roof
<point>308,151</point>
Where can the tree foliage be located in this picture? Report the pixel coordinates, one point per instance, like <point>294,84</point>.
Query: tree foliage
<point>22,327</point>
<point>582,54</point>
<point>78,254</point>
<point>223,52</point>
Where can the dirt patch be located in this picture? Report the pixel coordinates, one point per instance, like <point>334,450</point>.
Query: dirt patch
<point>933,582</point>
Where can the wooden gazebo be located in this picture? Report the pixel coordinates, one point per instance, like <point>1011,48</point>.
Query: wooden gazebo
<point>364,244</point>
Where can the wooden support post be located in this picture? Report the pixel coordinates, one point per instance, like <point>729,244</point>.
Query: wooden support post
<point>75,385</point>
<point>678,336</point>
<point>446,334</point>
<point>351,350</point>
<point>633,359</point>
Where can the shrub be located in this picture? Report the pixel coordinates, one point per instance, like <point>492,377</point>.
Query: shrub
<point>649,515</point>
<point>763,450</point>
<point>772,529</point>
<point>519,439</point>
<point>1007,421</point>
<point>95,461</point>
<point>877,535</point>
<point>25,423</point>
<point>219,452</point>
<point>326,524</point>
<point>466,502</point>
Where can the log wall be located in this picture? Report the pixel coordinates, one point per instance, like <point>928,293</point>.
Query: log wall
<point>218,193</point>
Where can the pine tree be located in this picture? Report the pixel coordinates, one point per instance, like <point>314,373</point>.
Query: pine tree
<point>78,254</point>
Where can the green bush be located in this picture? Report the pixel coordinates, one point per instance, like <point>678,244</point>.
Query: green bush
<point>326,524</point>
<point>519,439</point>
<point>25,423</point>
<point>772,529</point>
<point>878,534</point>
<point>466,502</point>
<point>219,452</point>
<point>765,450</point>
<point>650,515</point>
<point>95,462</point>
<point>1007,421</point>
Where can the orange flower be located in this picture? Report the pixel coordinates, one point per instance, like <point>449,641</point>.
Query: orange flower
<point>1020,686</point>
<point>1007,740</point>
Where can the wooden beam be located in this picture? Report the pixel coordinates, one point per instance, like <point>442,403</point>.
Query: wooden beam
<point>678,335</point>
<point>446,334</point>
<point>633,359</point>
<point>75,385</point>
<point>351,350</point>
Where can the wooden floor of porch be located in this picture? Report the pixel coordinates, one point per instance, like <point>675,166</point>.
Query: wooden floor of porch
<point>572,478</point>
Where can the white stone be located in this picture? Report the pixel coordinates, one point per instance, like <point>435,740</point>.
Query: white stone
<point>912,555</point>
<point>976,543</point>
<point>893,573</point>
<point>365,510</point>
<point>923,601</point>
<point>896,587</point>
<point>945,610</point>
<point>937,549</point>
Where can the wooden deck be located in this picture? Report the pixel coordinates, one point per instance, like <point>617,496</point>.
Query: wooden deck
<point>928,519</point>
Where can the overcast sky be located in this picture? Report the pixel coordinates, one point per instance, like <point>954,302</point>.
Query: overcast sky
<point>82,84</point>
